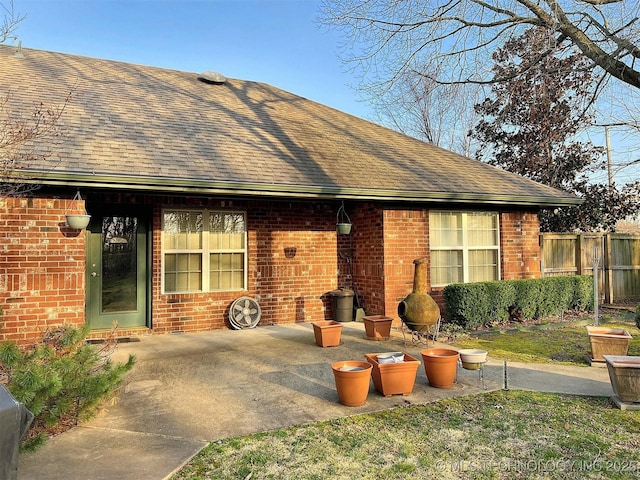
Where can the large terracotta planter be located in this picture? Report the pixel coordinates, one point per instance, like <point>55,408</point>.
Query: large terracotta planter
<point>607,341</point>
<point>441,366</point>
<point>327,333</point>
<point>353,379</point>
<point>393,378</point>
<point>624,373</point>
<point>377,327</point>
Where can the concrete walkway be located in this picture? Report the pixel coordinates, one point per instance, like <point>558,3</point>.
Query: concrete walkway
<point>190,389</point>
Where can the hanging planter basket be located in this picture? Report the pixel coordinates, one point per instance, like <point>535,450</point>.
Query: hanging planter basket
<point>343,228</point>
<point>77,221</point>
<point>343,222</point>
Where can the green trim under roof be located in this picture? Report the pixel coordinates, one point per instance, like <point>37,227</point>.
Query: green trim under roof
<point>172,185</point>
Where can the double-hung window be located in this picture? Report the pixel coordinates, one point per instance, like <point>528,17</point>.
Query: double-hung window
<point>465,247</point>
<point>204,251</point>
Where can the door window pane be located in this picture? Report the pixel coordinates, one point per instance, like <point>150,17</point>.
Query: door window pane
<point>119,264</point>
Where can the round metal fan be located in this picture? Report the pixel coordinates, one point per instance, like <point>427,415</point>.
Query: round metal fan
<point>244,313</point>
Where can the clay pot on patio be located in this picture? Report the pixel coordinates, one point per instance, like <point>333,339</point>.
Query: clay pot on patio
<point>327,333</point>
<point>441,366</point>
<point>607,341</point>
<point>394,377</point>
<point>353,379</point>
<point>377,327</point>
<point>624,373</point>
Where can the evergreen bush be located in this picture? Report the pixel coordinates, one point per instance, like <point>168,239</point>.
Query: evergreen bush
<point>583,292</point>
<point>61,380</point>
<point>472,305</point>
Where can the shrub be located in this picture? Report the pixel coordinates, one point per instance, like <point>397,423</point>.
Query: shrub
<point>470,301</point>
<point>472,305</point>
<point>582,293</point>
<point>638,315</point>
<point>477,304</point>
<point>61,380</point>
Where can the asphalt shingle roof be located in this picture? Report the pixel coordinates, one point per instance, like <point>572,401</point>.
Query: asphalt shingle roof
<point>147,127</point>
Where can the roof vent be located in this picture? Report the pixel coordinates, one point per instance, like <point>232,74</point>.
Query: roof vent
<point>19,50</point>
<point>212,77</point>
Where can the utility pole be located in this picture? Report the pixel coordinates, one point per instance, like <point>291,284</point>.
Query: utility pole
<point>609,163</point>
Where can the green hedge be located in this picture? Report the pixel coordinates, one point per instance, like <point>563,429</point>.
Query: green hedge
<point>472,305</point>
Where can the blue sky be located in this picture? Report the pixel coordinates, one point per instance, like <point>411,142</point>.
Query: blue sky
<point>273,41</point>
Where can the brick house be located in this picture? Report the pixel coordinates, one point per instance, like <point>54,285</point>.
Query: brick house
<point>201,192</point>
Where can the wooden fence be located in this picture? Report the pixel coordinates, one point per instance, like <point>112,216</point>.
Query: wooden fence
<point>617,256</point>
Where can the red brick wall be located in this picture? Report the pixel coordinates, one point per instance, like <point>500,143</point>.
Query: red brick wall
<point>295,258</point>
<point>406,238</point>
<point>368,258</point>
<point>519,245</point>
<point>42,268</point>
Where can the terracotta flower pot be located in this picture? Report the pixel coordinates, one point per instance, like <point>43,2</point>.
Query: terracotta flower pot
<point>327,333</point>
<point>624,373</point>
<point>377,327</point>
<point>441,366</point>
<point>353,379</point>
<point>607,341</point>
<point>396,378</point>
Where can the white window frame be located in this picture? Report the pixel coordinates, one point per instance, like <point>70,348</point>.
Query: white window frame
<point>205,251</point>
<point>465,248</point>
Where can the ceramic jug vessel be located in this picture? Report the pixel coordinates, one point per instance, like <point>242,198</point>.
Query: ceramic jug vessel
<point>419,311</point>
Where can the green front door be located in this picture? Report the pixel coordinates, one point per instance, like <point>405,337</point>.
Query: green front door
<point>116,271</point>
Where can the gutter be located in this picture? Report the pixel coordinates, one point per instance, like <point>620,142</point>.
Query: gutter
<point>255,189</point>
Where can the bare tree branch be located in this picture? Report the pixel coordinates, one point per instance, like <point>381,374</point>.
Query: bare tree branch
<point>465,32</point>
<point>9,22</point>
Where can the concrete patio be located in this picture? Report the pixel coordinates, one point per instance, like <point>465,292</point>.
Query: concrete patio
<point>187,390</point>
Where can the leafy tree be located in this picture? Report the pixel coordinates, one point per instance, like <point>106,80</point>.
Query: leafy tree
<point>530,127</point>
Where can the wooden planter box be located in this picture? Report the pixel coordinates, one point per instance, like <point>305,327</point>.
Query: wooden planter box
<point>607,341</point>
<point>327,333</point>
<point>624,373</point>
<point>377,327</point>
<point>393,378</point>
